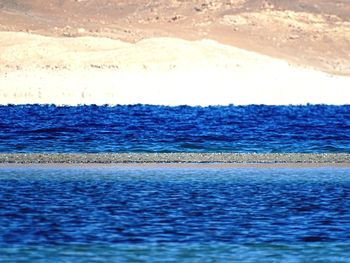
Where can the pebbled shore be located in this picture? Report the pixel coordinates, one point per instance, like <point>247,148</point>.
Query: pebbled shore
<point>175,158</point>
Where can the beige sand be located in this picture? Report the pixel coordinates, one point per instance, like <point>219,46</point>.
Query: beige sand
<point>170,71</point>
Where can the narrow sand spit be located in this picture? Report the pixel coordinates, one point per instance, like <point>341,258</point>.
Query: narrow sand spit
<point>166,71</point>
<point>173,160</point>
<point>179,158</point>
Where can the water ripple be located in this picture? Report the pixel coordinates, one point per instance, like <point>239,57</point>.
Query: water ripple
<point>146,128</point>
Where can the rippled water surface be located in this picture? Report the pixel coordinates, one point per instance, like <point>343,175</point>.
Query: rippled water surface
<point>145,128</point>
<point>174,215</point>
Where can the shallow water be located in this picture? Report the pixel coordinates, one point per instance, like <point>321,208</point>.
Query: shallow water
<point>145,128</point>
<point>169,252</point>
<point>172,215</point>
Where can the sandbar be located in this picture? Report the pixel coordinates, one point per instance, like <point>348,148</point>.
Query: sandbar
<point>176,160</point>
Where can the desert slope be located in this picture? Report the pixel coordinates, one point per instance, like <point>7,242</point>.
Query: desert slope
<point>166,71</point>
<point>312,33</point>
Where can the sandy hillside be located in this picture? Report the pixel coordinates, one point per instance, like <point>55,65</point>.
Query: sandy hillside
<point>312,33</point>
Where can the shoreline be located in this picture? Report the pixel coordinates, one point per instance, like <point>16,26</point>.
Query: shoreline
<point>176,160</point>
<point>153,166</point>
<point>92,70</point>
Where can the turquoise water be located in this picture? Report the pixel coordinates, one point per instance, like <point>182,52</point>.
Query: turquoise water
<point>322,252</point>
<point>174,215</point>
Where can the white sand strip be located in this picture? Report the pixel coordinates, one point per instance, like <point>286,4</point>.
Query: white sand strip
<point>163,71</point>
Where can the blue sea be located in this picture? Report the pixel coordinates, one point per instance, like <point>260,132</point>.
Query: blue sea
<point>115,214</point>
<point>146,128</point>
<point>174,215</point>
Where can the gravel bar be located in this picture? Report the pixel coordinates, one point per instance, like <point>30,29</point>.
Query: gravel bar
<point>144,158</point>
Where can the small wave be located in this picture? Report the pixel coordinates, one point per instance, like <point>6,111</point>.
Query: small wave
<point>258,128</point>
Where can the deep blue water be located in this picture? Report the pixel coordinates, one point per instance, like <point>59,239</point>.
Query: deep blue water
<point>174,215</point>
<point>145,128</point>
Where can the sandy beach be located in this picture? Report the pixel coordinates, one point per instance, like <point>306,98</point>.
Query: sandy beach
<point>166,71</point>
<point>174,53</point>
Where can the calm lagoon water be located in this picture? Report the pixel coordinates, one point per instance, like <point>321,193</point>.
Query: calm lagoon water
<point>146,128</point>
<point>174,215</point>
